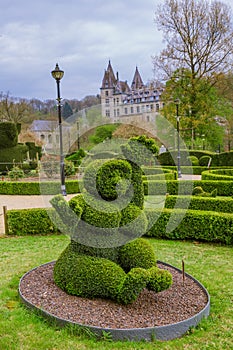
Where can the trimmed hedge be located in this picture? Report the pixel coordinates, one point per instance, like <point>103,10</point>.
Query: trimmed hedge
<point>198,225</point>
<point>218,174</point>
<point>206,226</point>
<point>37,188</point>
<point>218,204</point>
<point>185,187</point>
<point>193,170</point>
<point>23,222</point>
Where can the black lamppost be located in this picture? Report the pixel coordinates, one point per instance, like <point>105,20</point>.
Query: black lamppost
<point>177,102</point>
<point>57,74</point>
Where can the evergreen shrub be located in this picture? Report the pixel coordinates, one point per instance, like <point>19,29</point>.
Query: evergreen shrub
<point>218,204</point>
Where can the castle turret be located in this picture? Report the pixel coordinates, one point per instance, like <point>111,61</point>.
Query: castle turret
<point>137,82</point>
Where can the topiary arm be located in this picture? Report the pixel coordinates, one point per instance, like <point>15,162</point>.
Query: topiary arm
<point>69,216</point>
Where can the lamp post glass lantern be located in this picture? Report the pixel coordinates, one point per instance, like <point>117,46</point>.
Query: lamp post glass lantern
<point>57,74</point>
<point>178,137</point>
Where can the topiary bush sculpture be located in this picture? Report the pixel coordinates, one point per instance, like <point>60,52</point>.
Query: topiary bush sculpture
<point>106,256</point>
<point>198,191</point>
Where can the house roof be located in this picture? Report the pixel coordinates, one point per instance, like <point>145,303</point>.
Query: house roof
<point>43,125</point>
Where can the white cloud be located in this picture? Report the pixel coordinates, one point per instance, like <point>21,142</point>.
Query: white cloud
<point>81,36</point>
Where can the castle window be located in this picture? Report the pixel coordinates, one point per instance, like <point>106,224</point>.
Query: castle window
<point>148,118</point>
<point>118,112</point>
<point>107,101</point>
<point>126,110</point>
<point>42,137</point>
<point>49,138</point>
<point>157,107</point>
<point>138,109</point>
<point>107,113</point>
<point>131,110</point>
<point>151,107</point>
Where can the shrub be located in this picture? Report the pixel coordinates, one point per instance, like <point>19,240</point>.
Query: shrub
<point>194,160</point>
<point>31,221</point>
<point>37,188</point>
<point>159,279</point>
<point>113,179</point>
<point>76,157</point>
<point>8,135</point>
<point>218,174</point>
<point>15,173</point>
<point>219,204</point>
<point>137,278</point>
<point>69,168</point>
<point>138,253</point>
<point>197,225</point>
<point>87,276</point>
<point>204,160</point>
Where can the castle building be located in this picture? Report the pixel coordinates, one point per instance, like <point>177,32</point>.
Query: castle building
<point>119,100</point>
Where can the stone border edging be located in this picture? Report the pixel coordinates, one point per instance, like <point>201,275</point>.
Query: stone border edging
<point>166,332</point>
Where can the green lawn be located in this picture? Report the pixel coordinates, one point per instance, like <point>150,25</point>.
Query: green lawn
<point>21,329</point>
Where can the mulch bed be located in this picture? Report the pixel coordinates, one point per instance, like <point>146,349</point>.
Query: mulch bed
<point>180,302</point>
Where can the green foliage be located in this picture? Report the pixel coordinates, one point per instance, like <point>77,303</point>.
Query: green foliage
<point>218,204</point>
<point>133,221</point>
<point>66,111</point>
<point>139,151</point>
<point>36,188</point>
<point>69,168</point>
<point>91,270</point>
<point>8,135</point>
<point>30,221</point>
<point>136,280</point>
<point>15,173</point>
<point>194,160</point>
<point>34,150</point>
<point>224,188</point>
<point>204,160</point>
<point>198,191</point>
<point>13,155</point>
<point>218,174</point>
<point>197,225</point>
<point>103,132</point>
<point>87,276</point>
<point>148,142</point>
<point>159,279</point>
<point>77,157</point>
<point>137,253</point>
<point>113,179</point>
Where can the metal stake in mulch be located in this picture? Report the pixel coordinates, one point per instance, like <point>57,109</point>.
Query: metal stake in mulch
<point>183,272</point>
<point>5,219</point>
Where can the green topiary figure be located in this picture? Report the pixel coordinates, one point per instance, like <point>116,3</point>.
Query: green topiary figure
<point>106,257</point>
<point>198,191</point>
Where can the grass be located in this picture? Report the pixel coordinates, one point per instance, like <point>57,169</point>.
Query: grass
<point>21,329</point>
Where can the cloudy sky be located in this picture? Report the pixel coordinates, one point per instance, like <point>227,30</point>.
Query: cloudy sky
<point>81,35</point>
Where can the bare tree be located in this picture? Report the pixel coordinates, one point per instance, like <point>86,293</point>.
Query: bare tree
<point>199,37</point>
<point>13,110</point>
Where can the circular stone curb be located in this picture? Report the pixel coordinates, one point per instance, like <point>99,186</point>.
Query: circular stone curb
<point>166,332</point>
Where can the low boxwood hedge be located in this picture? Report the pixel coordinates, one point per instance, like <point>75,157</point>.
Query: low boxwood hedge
<point>23,222</point>
<point>197,225</point>
<point>185,187</point>
<point>206,226</point>
<point>36,188</point>
<point>218,204</point>
<point>218,174</point>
